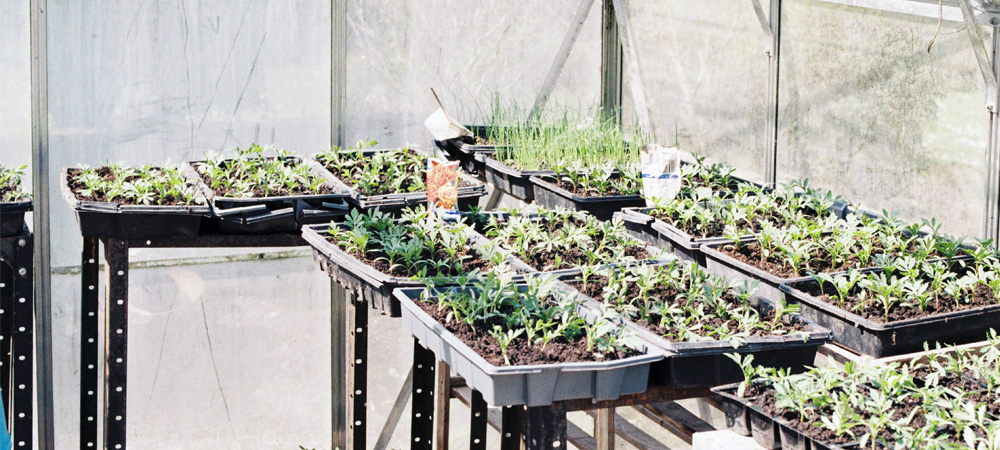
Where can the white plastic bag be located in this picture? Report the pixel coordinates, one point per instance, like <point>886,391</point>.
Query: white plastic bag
<point>661,172</point>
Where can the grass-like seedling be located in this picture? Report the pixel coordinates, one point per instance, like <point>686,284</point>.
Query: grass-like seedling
<point>420,244</point>
<point>560,238</point>
<point>683,303</point>
<point>251,174</point>
<point>10,184</point>
<point>396,171</point>
<point>160,185</point>
<point>539,324</point>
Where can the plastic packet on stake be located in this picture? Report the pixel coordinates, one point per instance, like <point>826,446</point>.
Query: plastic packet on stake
<point>661,172</point>
<point>442,187</point>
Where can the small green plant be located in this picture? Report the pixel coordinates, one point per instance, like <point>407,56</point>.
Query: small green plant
<point>251,173</point>
<point>385,172</point>
<point>147,185</point>
<point>10,184</point>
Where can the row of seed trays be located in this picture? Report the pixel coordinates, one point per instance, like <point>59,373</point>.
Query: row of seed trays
<point>556,305</point>
<point>255,190</point>
<point>14,201</point>
<point>947,400</point>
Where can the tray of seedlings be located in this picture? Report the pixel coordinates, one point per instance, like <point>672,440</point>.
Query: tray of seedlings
<point>371,253</point>
<point>526,344</point>
<point>598,190</point>
<point>799,251</point>
<point>685,224</point>
<point>154,201</point>
<point>906,301</point>
<point>563,240</point>
<point>863,405</point>
<point>704,324</point>
<point>390,179</point>
<point>471,150</point>
<point>252,193</point>
<point>14,202</point>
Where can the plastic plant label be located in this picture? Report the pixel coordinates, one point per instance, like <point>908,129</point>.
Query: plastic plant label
<point>442,186</point>
<point>661,172</point>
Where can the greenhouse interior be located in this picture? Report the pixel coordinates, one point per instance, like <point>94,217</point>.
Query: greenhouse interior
<point>586,224</point>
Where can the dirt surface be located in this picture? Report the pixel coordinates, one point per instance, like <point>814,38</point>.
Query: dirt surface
<point>371,257</point>
<point>573,257</point>
<point>8,188</point>
<point>585,191</point>
<point>258,192</point>
<point>520,352</point>
<point>715,229</point>
<point>751,255</point>
<point>75,186</point>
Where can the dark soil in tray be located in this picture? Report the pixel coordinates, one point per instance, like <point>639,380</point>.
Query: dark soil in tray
<point>944,303</point>
<point>584,191</point>
<point>575,256</point>
<point>75,186</point>
<point>349,176</point>
<point>371,257</point>
<point>972,385</point>
<point>595,289</point>
<point>8,188</point>
<point>260,193</point>
<point>696,181</point>
<point>750,254</point>
<point>716,229</point>
<point>519,352</point>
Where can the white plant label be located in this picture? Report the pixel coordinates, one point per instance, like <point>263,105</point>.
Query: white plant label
<point>661,172</point>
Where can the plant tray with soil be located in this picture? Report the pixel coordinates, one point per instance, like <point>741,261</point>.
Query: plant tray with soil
<point>253,193</point>
<point>526,344</point>
<point>867,405</point>
<point>372,253</point>
<point>776,256</point>
<point>155,201</point>
<point>469,150</point>
<point>701,321</point>
<point>14,202</point>
<point>683,225</point>
<point>895,309</point>
<point>564,240</point>
<point>600,191</point>
<point>718,179</point>
<point>390,179</point>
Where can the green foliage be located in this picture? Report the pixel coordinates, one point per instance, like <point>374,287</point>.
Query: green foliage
<point>10,184</point>
<point>251,173</point>
<point>147,185</point>
<point>395,171</point>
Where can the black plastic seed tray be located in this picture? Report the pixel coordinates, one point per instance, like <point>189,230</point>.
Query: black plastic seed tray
<point>666,236</point>
<point>112,219</point>
<point>468,152</point>
<point>532,385</point>
<point>371,284</point>
<point>513,182</point>
<point>550,195</point>
<point>12,217</point>
<point>894,338</point>
<point>256,215</point>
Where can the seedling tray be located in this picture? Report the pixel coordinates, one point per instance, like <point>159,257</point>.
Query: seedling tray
<point>894,338</point>
<point>532,385</point>
<point>690,364</point>
<point>258,215</point>
<point>363,279</point>
<point>550,195</point>
<point>467,152</point>
<point>12,217</point>
<point>468,195</point>
<point>112,219</point>
<point>513,182</point>
<point>666,236</point>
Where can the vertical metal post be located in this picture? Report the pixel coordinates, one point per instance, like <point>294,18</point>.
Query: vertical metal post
<point>991,219</point>
<point>511,428</point>
<point>40,190</point>
<point>773,56</point>
<point>338,71</point>
<point>422,408</point>
<point>611,63</point>
<point>442,406</point>
<point>21,408</point>
<point>477,421</point>
<point>6,335</point>
<point>115,342</point>
<point>338,369</point>
<point>89,353</point>
<point>544,428</point>
<point>357,376</point>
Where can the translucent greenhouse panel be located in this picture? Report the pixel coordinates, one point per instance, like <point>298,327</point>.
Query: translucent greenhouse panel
<point>704,73</point>
<point>867,112</point>
<point>467,50</point>
<point>15,87</point>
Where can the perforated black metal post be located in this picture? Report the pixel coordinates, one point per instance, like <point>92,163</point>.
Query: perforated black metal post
<point>511,427</point>
<point>6,327</point>
<point>357,324</point>
<point>478,422</point>
<point>115,343</point>
<point>23,343</point>
<point>88,342</point>
<point>544,428</point>
<point>422,423</point>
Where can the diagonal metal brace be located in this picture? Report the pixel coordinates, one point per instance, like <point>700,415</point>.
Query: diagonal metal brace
<point>979,48</point>
<point>765,24</point>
